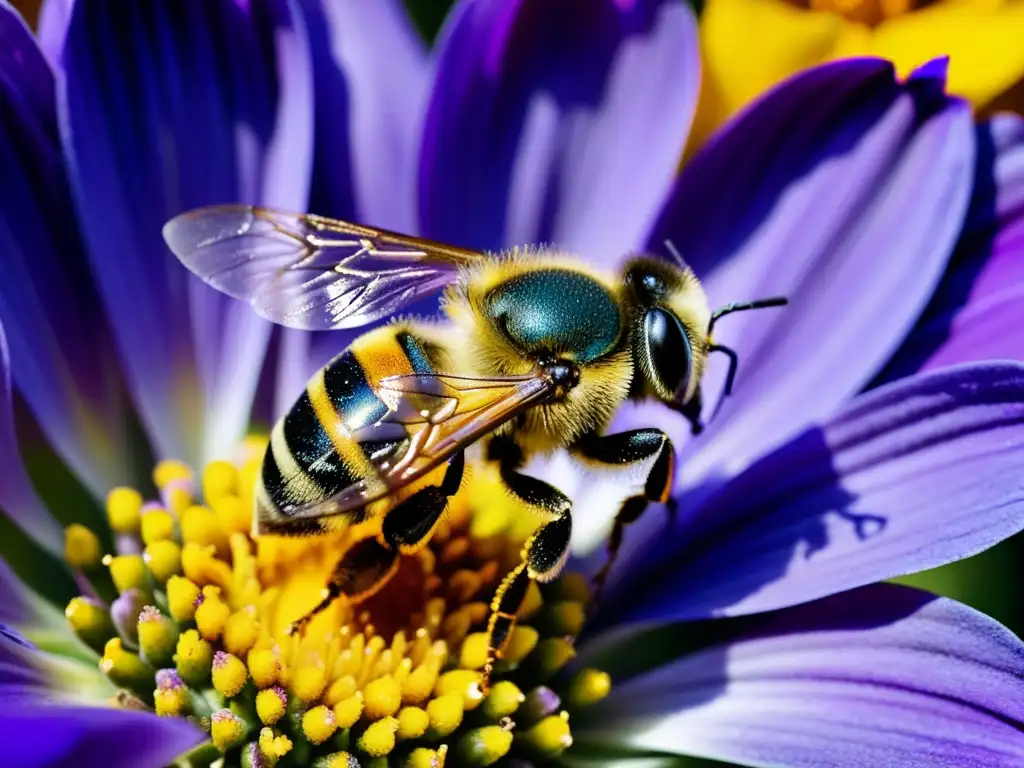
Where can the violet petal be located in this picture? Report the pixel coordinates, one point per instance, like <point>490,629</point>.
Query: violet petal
<point>978,309</point>
<point>910,476</point>
<point>64,363</point>
<point>556,122</point>
<point>884,675</point>
<point>843,189</point>
<point>38,734</point>
<point>159,117</point>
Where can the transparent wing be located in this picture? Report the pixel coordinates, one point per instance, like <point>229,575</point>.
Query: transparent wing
<point>310,272</point>
<point>435,415</point>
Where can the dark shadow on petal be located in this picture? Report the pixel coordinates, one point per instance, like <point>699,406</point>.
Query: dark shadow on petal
<point>981,226</point>
<point>723,556</point>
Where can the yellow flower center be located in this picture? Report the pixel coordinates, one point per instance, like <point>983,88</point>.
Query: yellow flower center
<point>870,12</point>
<point>200,630</point>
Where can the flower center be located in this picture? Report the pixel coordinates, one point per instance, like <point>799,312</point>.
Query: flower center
<point>869,12</point>
<point>199,629</point>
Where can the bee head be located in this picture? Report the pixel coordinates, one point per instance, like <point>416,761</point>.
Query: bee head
<point>669,327</point>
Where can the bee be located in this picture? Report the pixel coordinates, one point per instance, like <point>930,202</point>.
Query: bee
<point>538,352</point>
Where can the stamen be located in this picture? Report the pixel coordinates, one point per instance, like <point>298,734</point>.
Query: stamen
<point>227,730</point>
<point>91,621</point>
<point>158,636</point>
<point>199,630</point>
<point>82,550</point>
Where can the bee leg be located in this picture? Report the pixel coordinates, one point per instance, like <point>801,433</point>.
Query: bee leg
<point>543,554</point>
<point>368,564</point>
<point>624,449</point>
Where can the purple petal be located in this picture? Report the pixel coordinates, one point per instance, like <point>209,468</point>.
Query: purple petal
<point>37,734</point>
<point>843,190</point>
<point>371,78</point>
<point>885,675</point>
<point>165,108</point>
<point>18,499</point>
<point>910,476</point>
<point>63,361</point>
<point>52,27</point>
<point>559,122</point>
<point>371,84</point>
<point>978,309</point>
<point>16,668</point>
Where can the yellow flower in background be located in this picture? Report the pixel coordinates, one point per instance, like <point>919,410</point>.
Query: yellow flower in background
<point>750,45</point>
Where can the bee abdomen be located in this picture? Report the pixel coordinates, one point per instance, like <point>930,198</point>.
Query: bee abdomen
<point>313,453</point>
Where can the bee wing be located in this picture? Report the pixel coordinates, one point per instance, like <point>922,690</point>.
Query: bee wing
<point>310,272</point>
<point>437,415</point>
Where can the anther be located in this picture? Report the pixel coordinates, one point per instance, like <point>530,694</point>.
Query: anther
<point>379,738</point>
<point>158,636</point>
<point>271,704</point>
<point>319,724</point>
<point>227,730</point>
<point>228,673</point>
<point>587,688</point>
<point>483,746</point>
<point>123,507</point>
<point>171,695</point>
<point>547,739</point>
<point>90,621</point>
<point>82,550</point>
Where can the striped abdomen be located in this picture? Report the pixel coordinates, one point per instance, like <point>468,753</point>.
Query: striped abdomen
<point>312,454</point>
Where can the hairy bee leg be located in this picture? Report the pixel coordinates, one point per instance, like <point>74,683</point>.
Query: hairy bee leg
<point>624,449</point>
<point>368,564</point>
<point>543,554</point>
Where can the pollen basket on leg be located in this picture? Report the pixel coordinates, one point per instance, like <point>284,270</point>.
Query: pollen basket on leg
<point>191,617</point>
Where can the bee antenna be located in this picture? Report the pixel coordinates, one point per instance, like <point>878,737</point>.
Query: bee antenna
<point>743,306</point>
<point>674,252</point>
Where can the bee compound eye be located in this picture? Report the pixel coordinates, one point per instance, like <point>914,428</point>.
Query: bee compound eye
<point>668,352</point>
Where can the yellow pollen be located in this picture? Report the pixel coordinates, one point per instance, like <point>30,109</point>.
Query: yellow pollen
<point>548,738</point>
<point>229,674</point>
<point>158,636</point>
<point>220,478</point>
<point>241,631</point>
<point>171,695</point>
<point>503,700</point>
<point>194,658</point>
<point>157,525</point>
<point>264,667</point>
<point>412,723</point>
<point>199,525</point>
<point>483,746</point>
<point>348,711</point>
<point>270,704</point>
<point>382,698</point>
<point>169,471</point>
<point>274,747</point>
<point>163,558</point>
<point>393,680</point>
<point>90,621</point>
<point>587,688</point>
<point>182,598</point>
<point>82,549</point>
<point>379,739</point>
<point>212,614</point>
<point>128,572</point>
<point>319,724</point>
<point>123,507</point>
<point>309,682</point>
<point>445,714</point>
<point>227,730</point>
